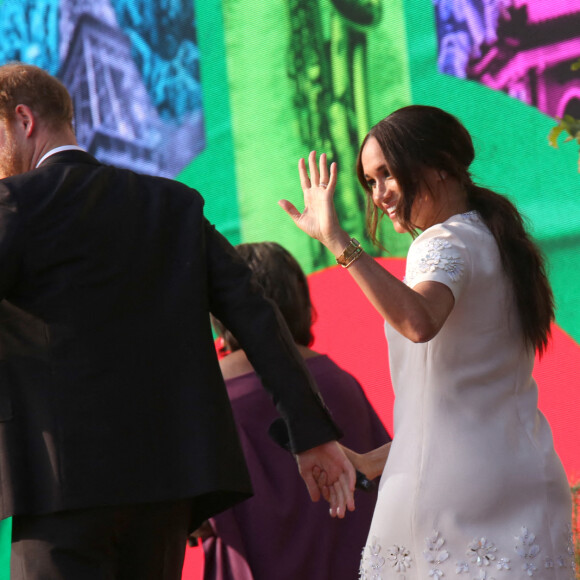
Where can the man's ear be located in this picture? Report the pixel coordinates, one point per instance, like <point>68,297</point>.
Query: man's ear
<point>25,119</point>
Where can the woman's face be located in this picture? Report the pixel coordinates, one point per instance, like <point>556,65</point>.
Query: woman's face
<point>386,192</point>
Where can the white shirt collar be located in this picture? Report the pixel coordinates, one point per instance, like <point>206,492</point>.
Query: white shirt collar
<point>58,150</point>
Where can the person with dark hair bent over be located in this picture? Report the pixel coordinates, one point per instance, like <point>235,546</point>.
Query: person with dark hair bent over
<point>272,535</point>
<point>116,433</point>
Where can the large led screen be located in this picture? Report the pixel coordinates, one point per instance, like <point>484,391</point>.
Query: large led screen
<point>226,96</point>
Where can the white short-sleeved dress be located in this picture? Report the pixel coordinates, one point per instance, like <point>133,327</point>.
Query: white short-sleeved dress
<point>473,488</point>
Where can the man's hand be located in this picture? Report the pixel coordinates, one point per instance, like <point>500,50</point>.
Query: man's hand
<point>327,471</point>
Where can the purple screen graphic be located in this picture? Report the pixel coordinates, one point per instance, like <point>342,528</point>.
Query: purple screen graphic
<point>522,47</point>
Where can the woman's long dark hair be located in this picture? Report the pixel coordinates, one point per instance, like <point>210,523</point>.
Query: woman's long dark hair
<point>418,137</point>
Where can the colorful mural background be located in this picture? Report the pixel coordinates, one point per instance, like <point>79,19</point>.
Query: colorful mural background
<point>228,95</point>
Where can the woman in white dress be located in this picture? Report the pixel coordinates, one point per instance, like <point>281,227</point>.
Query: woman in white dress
<point>472,487</point>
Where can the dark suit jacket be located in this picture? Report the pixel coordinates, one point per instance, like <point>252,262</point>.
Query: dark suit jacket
<point>110,390</point>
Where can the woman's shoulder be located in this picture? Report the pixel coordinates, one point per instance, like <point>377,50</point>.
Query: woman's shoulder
<point>470,221</point>
<point>464,232</point>
<point>460,224</point>
<point>447,252</point>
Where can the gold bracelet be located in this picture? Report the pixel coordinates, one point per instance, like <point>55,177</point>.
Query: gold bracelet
<point>351,253</point>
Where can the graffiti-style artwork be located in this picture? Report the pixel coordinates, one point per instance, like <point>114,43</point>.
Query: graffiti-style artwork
<point>132,68</point>
<point>522,47</point>
<point>29,32</point>
<point>327,64</point>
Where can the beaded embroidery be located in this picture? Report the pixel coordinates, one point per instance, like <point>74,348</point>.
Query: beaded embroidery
<point>461,567</point>
<point>569,539</point>
<point>484,560</point>
<point>435,555</point>
<point>472,215</point>
<point>483,575</point>
<point>481,552</point>
<point>375,562</point>
<point>503,564</point>
<point>528,550</point>
<point>399,558</point>
<point>438,255</point>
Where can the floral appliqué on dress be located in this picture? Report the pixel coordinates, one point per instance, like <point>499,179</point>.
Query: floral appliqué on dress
<point>472,216</point>
<point>484,561</point>
<point>438,254</point>
<point>435,554</point>
<point>373,565</point>
<point>527,549</point>
<point>481,552</point>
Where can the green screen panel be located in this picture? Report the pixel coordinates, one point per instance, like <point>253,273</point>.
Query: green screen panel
<point>213,171</point>
<point>513,158</point>
<point>294,89</point>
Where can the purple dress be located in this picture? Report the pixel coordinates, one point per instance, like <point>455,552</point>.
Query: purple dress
<point>279,533</point>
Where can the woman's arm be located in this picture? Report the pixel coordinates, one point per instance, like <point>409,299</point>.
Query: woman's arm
<point>417,313</point>
<point>371,463</point>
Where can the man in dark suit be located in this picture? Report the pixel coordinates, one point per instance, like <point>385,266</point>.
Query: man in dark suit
<point>116,435</point>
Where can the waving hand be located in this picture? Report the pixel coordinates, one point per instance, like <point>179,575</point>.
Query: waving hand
<point>318,219</point>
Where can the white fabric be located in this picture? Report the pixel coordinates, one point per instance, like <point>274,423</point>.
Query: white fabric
<point>472,488</point>
<point>58,150</point>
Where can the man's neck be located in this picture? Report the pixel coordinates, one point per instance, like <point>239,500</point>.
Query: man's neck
<point>47,142</point>
<point>58,150</point>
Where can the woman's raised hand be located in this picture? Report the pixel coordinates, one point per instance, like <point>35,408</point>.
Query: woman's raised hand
<point>318,219</point>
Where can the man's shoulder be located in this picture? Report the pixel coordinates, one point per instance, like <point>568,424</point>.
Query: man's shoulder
<point>166,185</point>
<point>48,179</point>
